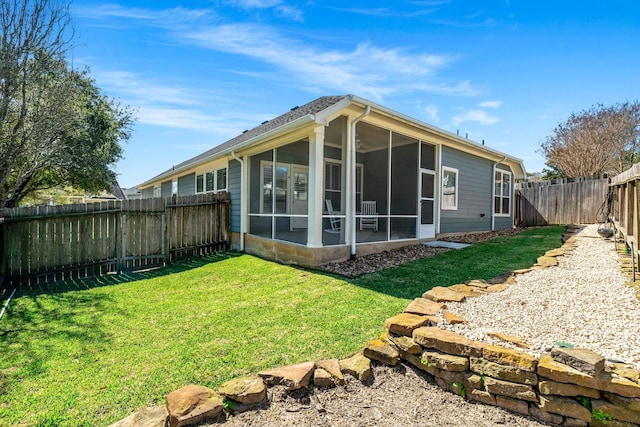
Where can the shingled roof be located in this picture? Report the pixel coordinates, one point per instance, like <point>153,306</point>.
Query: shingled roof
<point>311,108</point>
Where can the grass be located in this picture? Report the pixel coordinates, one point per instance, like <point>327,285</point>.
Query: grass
<point>89,353</point>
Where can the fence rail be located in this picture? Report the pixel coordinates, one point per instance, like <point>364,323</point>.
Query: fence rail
<point>49,243</point>
<point>559,202</point>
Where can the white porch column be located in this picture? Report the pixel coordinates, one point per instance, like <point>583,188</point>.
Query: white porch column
<point>316,190</point>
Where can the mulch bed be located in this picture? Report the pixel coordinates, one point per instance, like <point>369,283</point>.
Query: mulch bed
<point>375,262</point>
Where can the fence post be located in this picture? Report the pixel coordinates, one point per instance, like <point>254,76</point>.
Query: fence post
<point>3,255</point>
<point>121,222</point>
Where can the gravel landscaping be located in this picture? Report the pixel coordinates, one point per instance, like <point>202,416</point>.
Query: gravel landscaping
<point>583,302</point>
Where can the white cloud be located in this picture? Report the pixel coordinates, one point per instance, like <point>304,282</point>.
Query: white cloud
<point>432,113</point>
<point>490,104</point>
<point>479,116</point>
<point>367,70</point>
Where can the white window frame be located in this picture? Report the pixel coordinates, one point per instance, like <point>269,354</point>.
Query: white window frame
<point>226,180</point>
<point>444,206</point>
<point>201,176</point>
<point>214,182</point>
<point>503,174</point>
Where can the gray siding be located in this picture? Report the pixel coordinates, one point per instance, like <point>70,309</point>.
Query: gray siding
<point>234,174</point>
<point>147,193</point>
<point>187,185</point>
<point>166,189</point>
<point>475,193</point>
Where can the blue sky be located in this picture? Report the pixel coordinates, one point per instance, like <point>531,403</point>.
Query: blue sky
<point>503,71</point>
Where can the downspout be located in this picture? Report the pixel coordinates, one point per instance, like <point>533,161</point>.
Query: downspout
<point>352,170</point>
<point>493,199</point>
<point>242,199</point>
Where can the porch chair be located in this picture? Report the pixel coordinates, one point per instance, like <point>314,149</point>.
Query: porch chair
<point>369,217</point>
<point>334,221</point>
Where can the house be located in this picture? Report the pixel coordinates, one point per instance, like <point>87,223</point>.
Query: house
<point>342,176</point>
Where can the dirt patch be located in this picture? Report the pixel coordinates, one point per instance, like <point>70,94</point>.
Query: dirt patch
<point>396,396</point>
<point>392,258</point>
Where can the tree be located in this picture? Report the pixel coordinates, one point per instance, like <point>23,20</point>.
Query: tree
<point>595,141</point>
<point>56,127</point>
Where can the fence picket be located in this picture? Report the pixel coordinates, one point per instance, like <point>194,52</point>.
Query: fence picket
<point>547,202</point>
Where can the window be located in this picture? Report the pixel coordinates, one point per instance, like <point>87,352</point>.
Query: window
<point>502,193</point>
<point>200,183</point>
<point>221,179</point>
<point>449,188</point>
<point>215,180</point>
<point>209,181</point>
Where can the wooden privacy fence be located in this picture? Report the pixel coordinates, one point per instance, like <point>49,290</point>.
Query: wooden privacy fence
<point>50,243</point>
<point>559,201</point>
<point>625,212</point>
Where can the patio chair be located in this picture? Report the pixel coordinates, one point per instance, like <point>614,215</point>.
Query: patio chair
<point>334,221</point>
<point>369,216</point>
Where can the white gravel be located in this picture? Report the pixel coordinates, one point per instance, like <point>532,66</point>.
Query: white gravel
<point>583,301</point>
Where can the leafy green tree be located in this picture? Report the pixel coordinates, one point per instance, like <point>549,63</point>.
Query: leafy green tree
<point>595,141</point>
<point>56,126</point>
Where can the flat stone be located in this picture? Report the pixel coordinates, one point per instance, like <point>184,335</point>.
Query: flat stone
<point>153,416</point>
<point>549,368</point>
<point>425,307</point>
<point>569,390</point>
<point>249,390</point>
<point>332,366</point>
<point>522,271</point>
<point>617,385</point>
<point>191,404</point>
<point>293,377</point>
<point>357,366</point>
<point>509,338</point>
<point>441,294</point>
<point>323,379</point>
<point>555,252</point>
<point>547,261</point>
<point>509,389</point>
<point>382,352</point>
<point>564,406</point>
<point>513,405</point>
<point>497,288</point>
<point>544,416</point>
<point>574,422</point>
<point>405,323</point>
<point>626,372</point>
<point>502,372</point>
<point>445,361</point>
<point>406,344</point>
<point>447,341</point>
<point>582,359</point>
<point>611,423</point>
<point>468,291</point>
<point>451,318</point>
<point>478,284</point>
<point>482,397</point>
<point>623,402</point>
<point>617,412</point>
<point>509,357</point>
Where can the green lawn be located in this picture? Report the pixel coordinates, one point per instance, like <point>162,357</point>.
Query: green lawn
<point>91,352</point>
